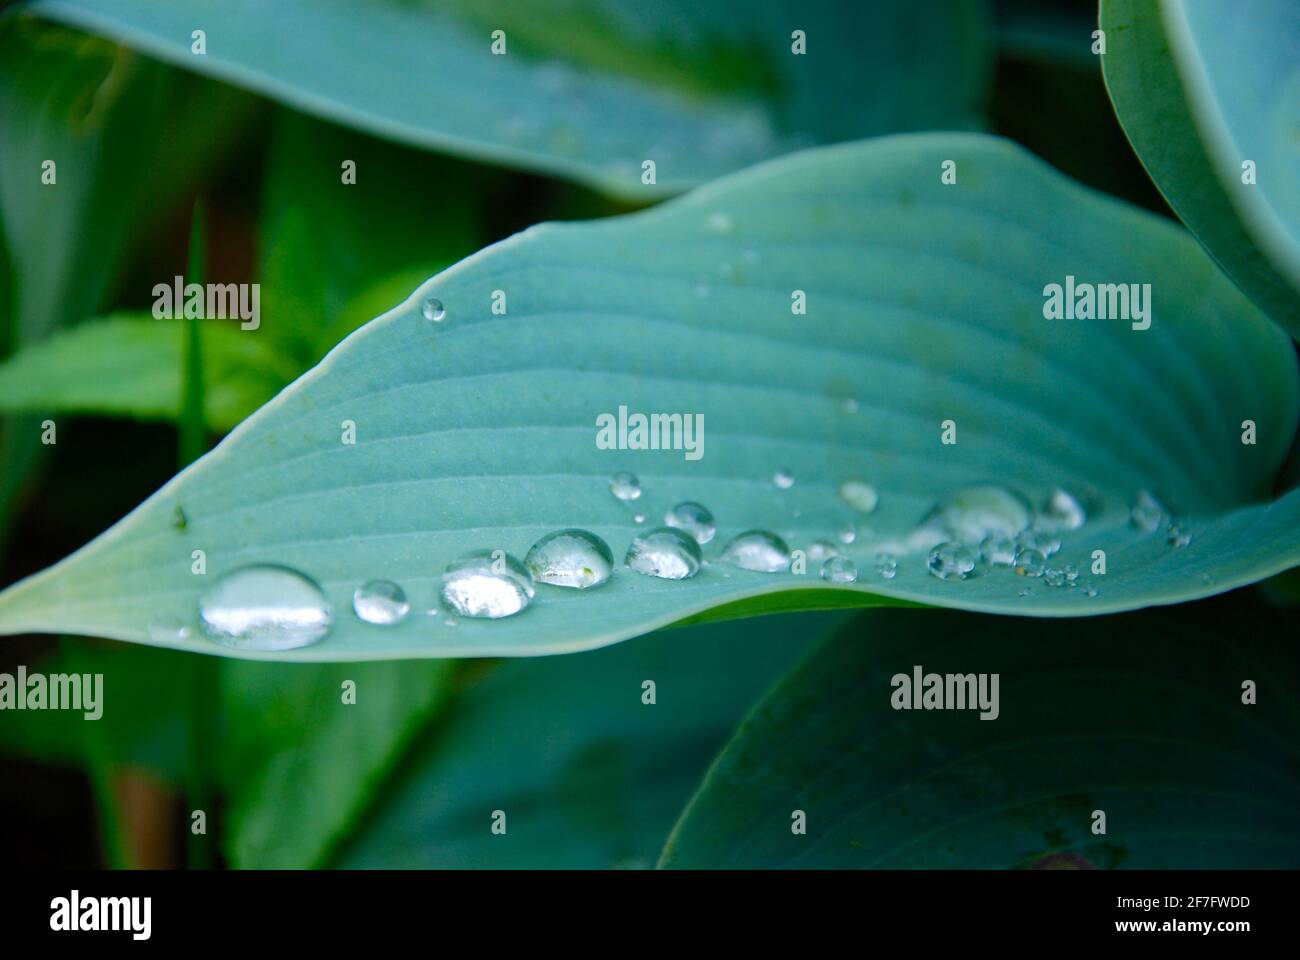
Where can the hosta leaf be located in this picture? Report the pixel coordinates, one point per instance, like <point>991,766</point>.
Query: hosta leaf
<point>588,774</point>
<point>925,304</point>
<point>1202,88</point>
<point>1143,720</point>
<point>588,90</point>
<point>130,365</point>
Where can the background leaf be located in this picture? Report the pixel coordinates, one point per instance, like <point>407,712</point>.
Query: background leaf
<point>586,90</point>
<point>925,304</point>
<point>1201,87</point>
<point>588,775</point>
<point>1142,719</point>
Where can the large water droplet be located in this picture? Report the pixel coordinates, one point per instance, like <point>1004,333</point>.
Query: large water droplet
<point>570,558</point>
<point>1030,562</point>
<point>1063,511</point>
<point>665,553</point>
<point>859,495</point>
<point>694,518</point>
<point>839,570</point>
<point>625,485</point>
<point>433,310</point>
<point>381,602</point>
<point>783,479</point>
<point>264,607</point>
<point>758,550</point>
<point>973,514</point>
<point>998,551</point>
<point>1147,513</point>
<point>486,584</point>
<point>951,561</point>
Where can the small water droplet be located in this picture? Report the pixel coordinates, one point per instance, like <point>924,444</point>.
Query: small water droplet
<point>1024,593</point>
<point>719,222</point>
<point>1071,575</point>
<point>381,602</point>
<point>1054,577</point>
<point>886,566</point>
<point>850,405</point>
<point>570,558</point>
<point>264,607</point>
<point>665,553</point>
<point>839,570</point>
<point>451,622</point>
<point>486,584</point>
<point>1090,592</point>
<point>1178,537</point>
<point>998,551</point>
<point>847,534</point>
<point>783,479</point>
<point>1063,511</point>
<point>1147,513</point>
<point>168,630</point>
<point>179,520</point>
<point>638,517</point>
<point>1048,544</point>
<point>694,518</point>
<point>1030,562</point>
<point>625,486</point>
<point>820,550</point>
<point>973,514</point>
<point>758,550</point>
<point>433,310</point>
<point>951,561</point>
<point>859,495</point>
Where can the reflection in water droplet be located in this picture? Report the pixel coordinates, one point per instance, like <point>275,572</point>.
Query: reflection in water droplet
<point>758,550</point>
<point>1063,511</point>
<point>886,566</point>
<point>433,310</point>
<point>570,558</point>
<point>486,584</point>
<point>1147,513</point>
<point>381,602</point>
<point>951,561</point>
<point>839,570</point>
<point>665,553</point>
<point>694,518</point>
<point>783,479</point>
<point>859,495</point>
<point>168,630</point>
<point>1030,562</point>
<point>264,607</point>
<point>973,514</point>
<point>625,486</point>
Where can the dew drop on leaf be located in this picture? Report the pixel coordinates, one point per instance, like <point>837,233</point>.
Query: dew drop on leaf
<point>381,602</point>
<point>486,584</point>
<point>265,607</point>
<point>665,553</point>
<point>570,558</point>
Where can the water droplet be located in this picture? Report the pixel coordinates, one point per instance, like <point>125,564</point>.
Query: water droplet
<point>886,566</point>
<point>570,558</point>
<point>489,584</point>
<point>839,570</point>
<point>758,550</point>
<point>847,534</point>
<point>1045,543</point>
<point>1063,511</point>
<point>665,553</point>
<point>694,518</point>
<point>951,561</point>
<point>1090,592</point>
<point>859,495</point>
<point>1071,575</point>
<point>998,551</point>
<point>168,630</point>
<point>1029,562</point>
<point>821,550</point>
<point>973,514</point>
<point>380,601</point>
<point>625,485</point>
<point>1178,538</point>
<point>719,222</point>
<point>264,607</point>
<point>451,622</point>
<point>638,517</point>
<point>179,520</point>
<point>433,310</point>
<point>783,479</point>
<point>1054,577</point>
<point>1147,513</point>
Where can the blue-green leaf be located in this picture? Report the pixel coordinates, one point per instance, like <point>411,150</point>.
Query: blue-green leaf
<point>925,304</point>
<point>1144,719</point>
<point>585,90</point>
